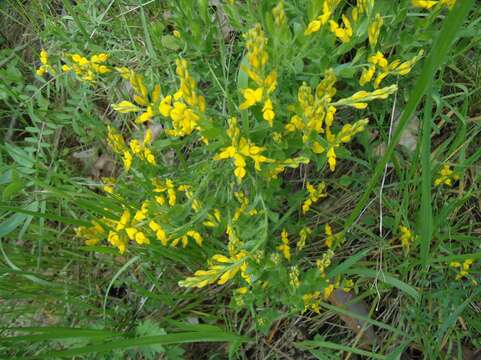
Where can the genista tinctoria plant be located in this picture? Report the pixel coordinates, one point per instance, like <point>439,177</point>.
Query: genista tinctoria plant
<point>215,184</point>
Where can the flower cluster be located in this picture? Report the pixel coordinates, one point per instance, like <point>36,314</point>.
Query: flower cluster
<point>446,176</point>
<point>277,135</point>
<point>463,269</point>
<point>407,237</point>
<point>45,67</point>
<point>136,149</point>
<point>315,194</point>
<point>240,150</point>
<point>266,83</point>
<point>221,269</point>
<point>87,69</point>
<point>328,8</point>
<point>184,108</point>
<point>380,65</point>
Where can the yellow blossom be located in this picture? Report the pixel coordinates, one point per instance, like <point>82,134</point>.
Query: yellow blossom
<point>88,69</point>
<point>328,7</point>
<point>446,176</point>
<point>127,160</point>
<point>125,107</point>
<point>347,132</point>
<point>315,194</point>
<point>303,235</point>
<point>424,4</point>
<point>374,29</point>
<point>367,75</point>
<point>256,47</point>
<point>279,15</point>
<point>165,106</point>
<point>332,239</point>
<point>251,97</point>
<point>221,270</point>
<point>45,67</point>
<point>312,301</point>
<point>407,237</point>
<point>284,247</point>
<point>463,268</point>
<point>343,33</point>
<point>268,112</point>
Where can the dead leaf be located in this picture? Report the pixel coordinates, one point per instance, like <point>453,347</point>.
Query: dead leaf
<point>364,330</point>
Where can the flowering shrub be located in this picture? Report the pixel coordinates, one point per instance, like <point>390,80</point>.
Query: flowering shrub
<point>241,186</point>
<point>177,201</point>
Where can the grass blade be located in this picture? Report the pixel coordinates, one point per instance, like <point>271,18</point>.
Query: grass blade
<point>426,215</point>
<point>388,279</point>
<point>179,338</point>
<point>312,344</point>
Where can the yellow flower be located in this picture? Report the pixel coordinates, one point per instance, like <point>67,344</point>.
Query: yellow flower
<point>463,268</point>
<point>268,112</point>
<point>359,99</point>
<point>127,160</point>
<point>446,176</point>
<point>141,239</point>
<point>374,29</point>
<point>424,4</point>
<point>279,15</point>
<point>284,247</point>
<point>324,262</point>
<point>367,75</point>
<point>88,69</point>
<point>342,33</point>
<point>92,234</point>
<point>165,106</point>
<point>378,59</point>
<point>125,107</point>
<point>43,57</point>
<point>240,150</point>
<point>407,237</point>
<point>145,116</point>
<point>251,97</point>
<point>312,27</point>
<point>159,232</point>
<point>303,235</point>
<point>124,72</point>
<point>256,44</point>
<point>221,270</point>
<point>328,8</point>
<point>115,140</point>
<point>270,82</point>
<point>45,67</point>
<point>328,291</point>
<point>315,194</point>
<point>347,132</point>
<point>312,301</point>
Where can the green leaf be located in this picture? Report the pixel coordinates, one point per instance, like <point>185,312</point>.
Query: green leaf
<point>345,265</point>
<point>388,279</point>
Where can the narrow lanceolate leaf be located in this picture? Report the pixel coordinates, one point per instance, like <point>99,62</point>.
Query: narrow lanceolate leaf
<point>426,215</point>
<point>124,344</point>
<point>435,59</point>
